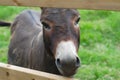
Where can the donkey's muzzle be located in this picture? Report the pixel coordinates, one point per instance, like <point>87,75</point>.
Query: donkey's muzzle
<point>66,59</point>
<point>68,66</point>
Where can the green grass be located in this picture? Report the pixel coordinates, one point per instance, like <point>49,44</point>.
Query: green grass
<point>100,42</point>
<point>4,41</point>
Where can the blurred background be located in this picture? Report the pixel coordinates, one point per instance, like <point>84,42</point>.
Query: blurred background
<point>100,42</point>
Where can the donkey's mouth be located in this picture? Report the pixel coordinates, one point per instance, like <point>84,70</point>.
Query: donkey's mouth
<point>67,68</point>
<point>67,71</point>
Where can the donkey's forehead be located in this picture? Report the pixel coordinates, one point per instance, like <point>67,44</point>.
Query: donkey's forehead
<point>49,11</point>
<point>57,10</point>
<point>58,15</point>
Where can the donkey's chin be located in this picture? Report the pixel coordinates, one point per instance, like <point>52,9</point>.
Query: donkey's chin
<point>67,72</point>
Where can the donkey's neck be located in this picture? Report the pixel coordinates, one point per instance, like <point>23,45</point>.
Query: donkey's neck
<point>40,54</point>
<point>37,52</point>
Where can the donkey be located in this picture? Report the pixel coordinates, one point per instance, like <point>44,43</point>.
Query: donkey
<point>46,41</point>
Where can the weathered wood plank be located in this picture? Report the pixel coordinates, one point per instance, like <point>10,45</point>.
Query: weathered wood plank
<point>10,72</point>
<point>82,4</point>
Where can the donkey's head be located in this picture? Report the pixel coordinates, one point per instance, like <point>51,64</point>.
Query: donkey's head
<point>61,36</point>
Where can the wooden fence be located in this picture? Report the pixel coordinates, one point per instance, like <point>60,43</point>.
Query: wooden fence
<point>82,4</point>
<point>10,72</point>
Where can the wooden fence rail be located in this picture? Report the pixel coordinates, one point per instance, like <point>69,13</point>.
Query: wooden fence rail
<point>82,4</point>
<point>10,72</point>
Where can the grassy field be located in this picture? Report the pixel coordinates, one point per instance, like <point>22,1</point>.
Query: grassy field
<point>100,42</point>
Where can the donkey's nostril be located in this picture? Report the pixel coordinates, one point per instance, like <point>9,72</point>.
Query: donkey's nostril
<point>77,62</point>
<point>58,62</point>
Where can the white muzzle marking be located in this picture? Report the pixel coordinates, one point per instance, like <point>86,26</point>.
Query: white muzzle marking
<point>66,49</point>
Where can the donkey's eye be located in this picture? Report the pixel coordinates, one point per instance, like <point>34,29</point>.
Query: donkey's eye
<point>77,21</point>
<point>46,26</point>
